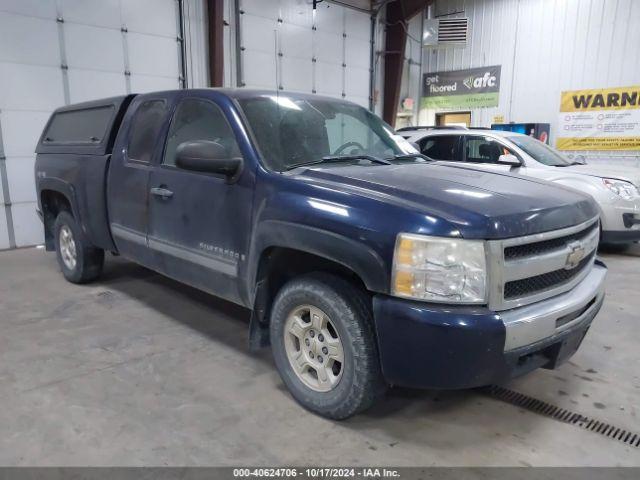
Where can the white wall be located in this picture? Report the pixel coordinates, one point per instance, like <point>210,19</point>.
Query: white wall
<point>89,40</point>
<point>544,47</point>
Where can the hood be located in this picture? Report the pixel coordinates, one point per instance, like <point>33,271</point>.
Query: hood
<point>476,203</point>
<point>618,172</point>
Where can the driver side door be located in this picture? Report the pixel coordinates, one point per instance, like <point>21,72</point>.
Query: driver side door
<point>199,222</point>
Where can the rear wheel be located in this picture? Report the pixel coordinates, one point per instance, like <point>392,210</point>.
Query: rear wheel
<point>324,346</point>
<point>79,261</point>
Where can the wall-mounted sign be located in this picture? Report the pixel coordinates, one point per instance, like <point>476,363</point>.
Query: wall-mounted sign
<point>600,119</point>
<point>476,87</point>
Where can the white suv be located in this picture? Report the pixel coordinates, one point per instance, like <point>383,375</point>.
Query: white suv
<point>615,188</point>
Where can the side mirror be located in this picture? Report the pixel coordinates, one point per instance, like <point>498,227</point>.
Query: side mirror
<point>509,159</point>
<point>415,145</point>
<point>207,156</point>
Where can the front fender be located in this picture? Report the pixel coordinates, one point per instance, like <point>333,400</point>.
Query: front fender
<point>356,256</point>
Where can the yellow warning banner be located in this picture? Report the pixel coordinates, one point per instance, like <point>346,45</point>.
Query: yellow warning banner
<point>599,119</point>
<point>598,143</point>
<point>620,98</point>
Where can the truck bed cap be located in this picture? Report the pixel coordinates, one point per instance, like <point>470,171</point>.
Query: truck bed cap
<point>87,128</point>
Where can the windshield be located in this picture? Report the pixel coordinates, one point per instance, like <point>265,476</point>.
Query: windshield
<point>294,131</point>
<point>540,151</point>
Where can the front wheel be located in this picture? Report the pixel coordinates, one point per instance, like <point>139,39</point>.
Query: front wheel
<point>79,261</point>
<point>324,345</point>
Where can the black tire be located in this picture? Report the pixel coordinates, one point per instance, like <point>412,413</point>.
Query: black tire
<point>89,259</point>
<point>349,309</point>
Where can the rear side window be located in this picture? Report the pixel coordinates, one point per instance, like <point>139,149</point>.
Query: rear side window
<point>443,147</point>
<point>88,125</point>
<point>145,130</point>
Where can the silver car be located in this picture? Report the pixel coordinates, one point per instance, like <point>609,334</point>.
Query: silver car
<point>615,188</point>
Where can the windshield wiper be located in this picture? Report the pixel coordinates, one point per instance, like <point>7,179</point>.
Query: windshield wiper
<point>340,158</point>
<point>371,158</point>
<point>410,156</point>
<point>569,164</point>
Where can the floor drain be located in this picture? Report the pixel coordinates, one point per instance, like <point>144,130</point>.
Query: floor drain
<point>563,415</point>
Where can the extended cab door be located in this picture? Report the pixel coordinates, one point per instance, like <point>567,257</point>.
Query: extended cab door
<point>199,223</point>
<point>134,154</point>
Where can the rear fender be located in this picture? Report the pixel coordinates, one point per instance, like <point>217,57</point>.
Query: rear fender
<point>62,188</point>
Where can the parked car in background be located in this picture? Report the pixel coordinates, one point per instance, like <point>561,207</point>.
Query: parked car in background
<point>364,263</point>
<point>615,188</point>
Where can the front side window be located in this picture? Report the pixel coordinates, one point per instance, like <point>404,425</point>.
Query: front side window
<point>540,151</point>
<point>290,131</point>
<point>484,149</point>
<point>145,130</point>
<point>441,147</point>
<point>199,120</point>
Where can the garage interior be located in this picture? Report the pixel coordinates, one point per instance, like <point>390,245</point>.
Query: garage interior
<point>136,369</point>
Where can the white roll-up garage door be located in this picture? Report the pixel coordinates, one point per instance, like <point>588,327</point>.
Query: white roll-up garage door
<point>281,49</point>
<point>54,52</point>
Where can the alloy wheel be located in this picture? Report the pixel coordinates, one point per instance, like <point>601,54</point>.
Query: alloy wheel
<point>67,247</point>
<point>314,348</point>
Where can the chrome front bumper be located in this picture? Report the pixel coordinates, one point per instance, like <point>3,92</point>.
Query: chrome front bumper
<point>533,323</point>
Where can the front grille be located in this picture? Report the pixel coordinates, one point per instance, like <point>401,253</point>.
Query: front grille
<point>532,285</point>
<point>538,248</point>
<point>532,268</point>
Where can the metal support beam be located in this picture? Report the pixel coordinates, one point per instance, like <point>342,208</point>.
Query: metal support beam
<point>215,11</point>
<point>399,12</point>
<point>182,48</point>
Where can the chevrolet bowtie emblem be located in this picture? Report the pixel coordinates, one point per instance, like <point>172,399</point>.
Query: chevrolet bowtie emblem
<point>576,254</point>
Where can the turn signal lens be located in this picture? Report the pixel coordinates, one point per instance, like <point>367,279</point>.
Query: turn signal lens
<point>404,283</point>
<point>405,250</point>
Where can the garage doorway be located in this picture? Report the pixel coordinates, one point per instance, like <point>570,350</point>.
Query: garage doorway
<point>462,119</point>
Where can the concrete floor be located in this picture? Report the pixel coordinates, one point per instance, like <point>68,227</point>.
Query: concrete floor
<point>136,369</point>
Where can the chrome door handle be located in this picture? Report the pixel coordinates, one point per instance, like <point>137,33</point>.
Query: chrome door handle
<point>161,192</point>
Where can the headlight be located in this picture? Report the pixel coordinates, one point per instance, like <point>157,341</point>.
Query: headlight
<point>626,190</point>
<point>438,269</point>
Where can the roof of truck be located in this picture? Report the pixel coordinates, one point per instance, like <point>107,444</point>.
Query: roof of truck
<point>244,93</point>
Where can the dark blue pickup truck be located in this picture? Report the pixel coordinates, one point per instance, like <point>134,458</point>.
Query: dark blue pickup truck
<point>365,264</point>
